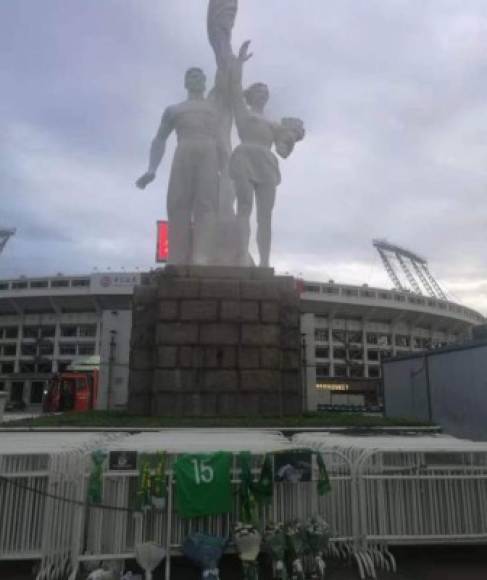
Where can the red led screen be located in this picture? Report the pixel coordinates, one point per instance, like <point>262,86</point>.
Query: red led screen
<point>162,254</point>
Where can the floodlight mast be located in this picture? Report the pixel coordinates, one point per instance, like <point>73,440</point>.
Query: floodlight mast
<point>424,280</point>
<point>390,269</point>
<point>419,277</point>
<point>439,291</point>
<point>409,275</point>
<point>5,235</point>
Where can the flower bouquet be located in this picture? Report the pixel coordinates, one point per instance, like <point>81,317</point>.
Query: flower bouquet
<point>318,537</point>
<point>205,551</point>
<point>297,544</point>
<point>275,546</point>
<point>248,541</point>
<point>149,556</point>
<point>101,574</point>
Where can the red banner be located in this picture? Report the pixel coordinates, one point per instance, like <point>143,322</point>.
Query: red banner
<point>162,253</point>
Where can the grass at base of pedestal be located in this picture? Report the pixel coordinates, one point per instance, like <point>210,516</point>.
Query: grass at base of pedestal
<point>117,419</point>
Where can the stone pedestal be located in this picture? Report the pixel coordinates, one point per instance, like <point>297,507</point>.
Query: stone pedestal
<point>216,341</point>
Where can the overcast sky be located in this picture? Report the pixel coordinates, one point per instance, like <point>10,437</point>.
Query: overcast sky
<point>393,94</point>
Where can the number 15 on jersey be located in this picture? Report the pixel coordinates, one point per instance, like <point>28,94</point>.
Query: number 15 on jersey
<point>203,484</point>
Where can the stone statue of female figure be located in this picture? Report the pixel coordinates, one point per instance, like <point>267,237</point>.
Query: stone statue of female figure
<point>253,166</point>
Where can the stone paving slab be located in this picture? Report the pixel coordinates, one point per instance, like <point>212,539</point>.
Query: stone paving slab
<point>8,417</point>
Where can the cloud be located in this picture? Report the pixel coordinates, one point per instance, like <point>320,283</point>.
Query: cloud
<point>392,94</point>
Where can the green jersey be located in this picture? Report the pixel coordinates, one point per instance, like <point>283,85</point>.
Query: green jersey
<point>203,484</point>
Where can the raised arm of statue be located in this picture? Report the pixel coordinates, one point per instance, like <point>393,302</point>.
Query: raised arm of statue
<point>240,108</point>
<point>158,148</point>
<point>221,20</point>
<point>220,93</point>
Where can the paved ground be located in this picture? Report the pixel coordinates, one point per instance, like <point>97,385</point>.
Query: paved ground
<point>443,563</point>
<point>414,564</point>
<point>434,563</point>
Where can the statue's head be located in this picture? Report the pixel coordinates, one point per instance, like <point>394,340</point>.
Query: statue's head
<point>257,95</point>
<point>195,80</point>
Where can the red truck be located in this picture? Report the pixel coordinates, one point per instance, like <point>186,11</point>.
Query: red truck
<point>75,389</point>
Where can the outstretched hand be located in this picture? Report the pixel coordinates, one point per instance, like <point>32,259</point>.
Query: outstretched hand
<point>144,181</point>
<point>244,55</point>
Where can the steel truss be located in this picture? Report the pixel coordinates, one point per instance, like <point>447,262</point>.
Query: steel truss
<point>413,267</point>
<point>5,235</point>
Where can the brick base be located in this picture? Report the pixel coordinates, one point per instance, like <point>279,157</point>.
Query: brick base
<point>216,341</point>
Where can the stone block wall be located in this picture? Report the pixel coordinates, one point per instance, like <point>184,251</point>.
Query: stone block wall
<point>216,341</point>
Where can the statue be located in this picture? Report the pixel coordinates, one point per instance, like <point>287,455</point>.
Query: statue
<point>221,20</point>
<point>253,166</point>
<point>192,199</point>
<point>199,187</point>
<point>205,176</point>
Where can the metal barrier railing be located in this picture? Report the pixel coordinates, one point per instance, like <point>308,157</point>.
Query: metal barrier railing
<point>379,497</point>
<point>112,535</point>
<point>411,491</point>
<point>36,524</point>
<point>22,511</point>
<point>42,497</point>
<point>423,497</point>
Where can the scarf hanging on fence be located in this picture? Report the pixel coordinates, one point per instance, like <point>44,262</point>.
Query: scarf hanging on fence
<point>324,485</point>
<point>151,487</point>
<point>254,495</point>
<point>95,483</point>
<point>263,489</point>
<point>247,504</point>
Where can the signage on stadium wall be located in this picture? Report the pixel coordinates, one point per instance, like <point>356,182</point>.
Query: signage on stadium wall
<point>114,283</point>
<point>333,387</point>
<point>162,252</point>
<point>118,280</point>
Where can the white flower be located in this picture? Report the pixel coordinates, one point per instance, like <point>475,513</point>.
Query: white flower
<point>247,541</point>
<point>101,575</point>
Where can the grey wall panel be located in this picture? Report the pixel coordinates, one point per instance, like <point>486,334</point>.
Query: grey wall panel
<point>459,392</point>
<point>405,391</point>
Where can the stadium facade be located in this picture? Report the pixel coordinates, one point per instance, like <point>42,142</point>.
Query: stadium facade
<point>347,331</point>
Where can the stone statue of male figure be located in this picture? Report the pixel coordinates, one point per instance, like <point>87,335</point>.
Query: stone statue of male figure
<point>192,199</point>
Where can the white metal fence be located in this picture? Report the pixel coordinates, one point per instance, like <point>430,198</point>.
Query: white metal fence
<point>112,535</point>
<point>410,490</point>
<point>423,497</point>
<point>385,491</point>
<point>42,491</point>
<point>22,511</point>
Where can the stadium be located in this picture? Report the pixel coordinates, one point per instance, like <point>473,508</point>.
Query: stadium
<point>347,331</point>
